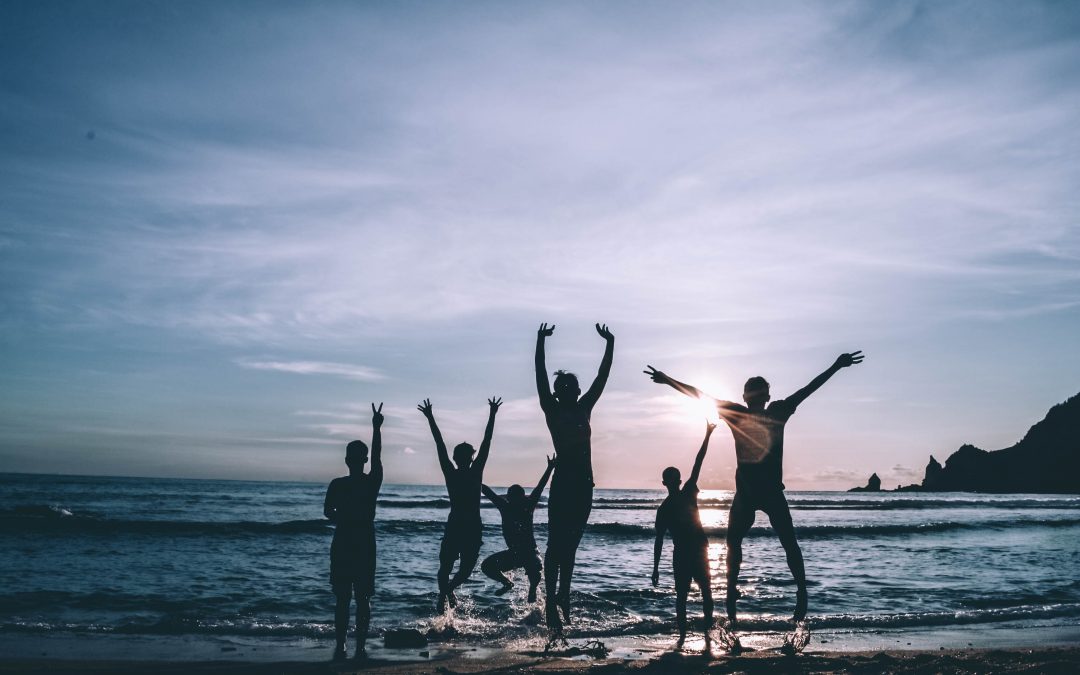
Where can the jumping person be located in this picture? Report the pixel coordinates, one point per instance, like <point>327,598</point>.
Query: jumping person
<point>464,528</point>
<point>350,506</point>
<point>570,499</point>
<point>678,514</point>
<point>517,526</point>
<point>759,448</point>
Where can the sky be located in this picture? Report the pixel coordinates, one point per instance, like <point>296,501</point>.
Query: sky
<point>227,227</point>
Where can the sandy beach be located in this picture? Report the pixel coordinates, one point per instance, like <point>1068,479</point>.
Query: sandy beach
<point>1047,660</point>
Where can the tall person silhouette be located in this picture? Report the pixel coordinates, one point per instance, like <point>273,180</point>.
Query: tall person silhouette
<point>568,414</point>
<point>759,448</point>
<point>350,506</point>
<point>679,515</point>
<point>464,528</point>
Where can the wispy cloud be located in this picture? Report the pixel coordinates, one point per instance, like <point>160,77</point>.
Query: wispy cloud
<point>346,370</point>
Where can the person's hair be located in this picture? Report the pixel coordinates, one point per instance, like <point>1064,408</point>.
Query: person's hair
<point>515,490</point>
<point>356,447</point>
<point>565,380</point>
<point>756,385</point>
<point>462,448</point>
<point>671,475</point>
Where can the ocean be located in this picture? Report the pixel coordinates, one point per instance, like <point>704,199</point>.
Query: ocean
<point>156,557</point>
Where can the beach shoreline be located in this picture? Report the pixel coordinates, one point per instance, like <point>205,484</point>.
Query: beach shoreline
<point>1002,648</point>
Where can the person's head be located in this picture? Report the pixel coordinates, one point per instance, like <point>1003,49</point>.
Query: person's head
<point>463,455</point>
<point>356,455</point>
<point>671,478</point>
<point>566,387</point>
<point>515,494</point>
<point>756,392</point>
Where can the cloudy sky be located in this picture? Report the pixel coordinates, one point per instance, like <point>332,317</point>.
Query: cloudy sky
<point>226,228</point>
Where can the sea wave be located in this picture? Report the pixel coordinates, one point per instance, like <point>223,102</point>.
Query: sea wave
<point>478,627</point>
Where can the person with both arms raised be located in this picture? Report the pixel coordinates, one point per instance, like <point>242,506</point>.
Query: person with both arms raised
<point>568,414</point>
<point>517,526</point>
<point>350,506</point>
<point>464,527</point>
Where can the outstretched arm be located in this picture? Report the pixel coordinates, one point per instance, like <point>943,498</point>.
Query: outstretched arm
<point>543,386</point>
<point>376,445</point>
<point>842,361</point>
<point>661,528</point>
<point>485,445</point>
<point>660,377</point>
<point>539,489</point>
<point>593,395</point>
<point>495,499</point>
<point>440,445</point>
<point>709,427</point>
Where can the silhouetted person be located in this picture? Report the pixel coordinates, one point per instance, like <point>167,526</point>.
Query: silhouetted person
<point>759,448</point>
<point>570,499</point>
<point>464,528</point>
<point>517,525</point>
<point>690,560</point>
<point>350,506</point>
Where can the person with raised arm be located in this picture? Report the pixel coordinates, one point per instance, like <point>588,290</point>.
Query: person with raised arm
<point>758,428</point>
<point>568,414</point>
<point>350,506</point>
<point>678,514</point>
<point>464,528</point>
<point>517,525</point>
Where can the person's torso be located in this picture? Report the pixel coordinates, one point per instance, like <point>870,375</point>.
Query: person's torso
<point>571,434</point>
<point>680,512</point>
<point>463,489</point>
<point>354,500</point>
<point>759,445</point>
<point>517,528</point>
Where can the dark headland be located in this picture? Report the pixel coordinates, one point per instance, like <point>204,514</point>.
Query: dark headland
<point>1046,460</point>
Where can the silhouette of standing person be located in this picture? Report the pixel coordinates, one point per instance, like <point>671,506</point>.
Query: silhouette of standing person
<point>517,525</point>
<point>464,528</point>
<point>350,506</point>
<point>678,514</point>
<point>759,448</point>
<point>570,499</point>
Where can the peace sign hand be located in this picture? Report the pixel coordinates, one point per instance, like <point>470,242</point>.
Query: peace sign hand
<point>376,415</point>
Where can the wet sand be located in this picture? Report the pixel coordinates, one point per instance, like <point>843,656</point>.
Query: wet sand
<point>1050,660</point>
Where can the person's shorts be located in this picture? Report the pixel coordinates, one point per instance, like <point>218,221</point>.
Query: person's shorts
<point>461,541</point>
<point>691,563</point>
<point>512,559</point>
<point>352,560</point>
<point>568,514</point>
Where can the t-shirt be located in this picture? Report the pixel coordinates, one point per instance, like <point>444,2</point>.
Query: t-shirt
<point>759,443</point>
<point>353,499</point>
<point>679,515</point>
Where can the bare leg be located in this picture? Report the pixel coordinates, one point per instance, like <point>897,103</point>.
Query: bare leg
<point>465,569</point>
<point>680,613</point>
<point>551,585</point>
<point>534,580</point>
<point>780,519</point>
<point>740,520</point>
<point>494,566</point>
<point>363,621</point>
<point>342,594</point>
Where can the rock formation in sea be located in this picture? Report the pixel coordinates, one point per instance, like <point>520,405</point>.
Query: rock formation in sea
<point>1046,460</point>
<point>872,485</point>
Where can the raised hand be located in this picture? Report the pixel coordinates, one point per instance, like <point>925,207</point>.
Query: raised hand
<point>604,332</point>
<point>551,461</point>
<point>425,408</point>
<point>376,415</point>
<point>657,376</point>
<point>545,330</point>
<point>709,426</point>
<point>845,360</point>
<point>494,404</point>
